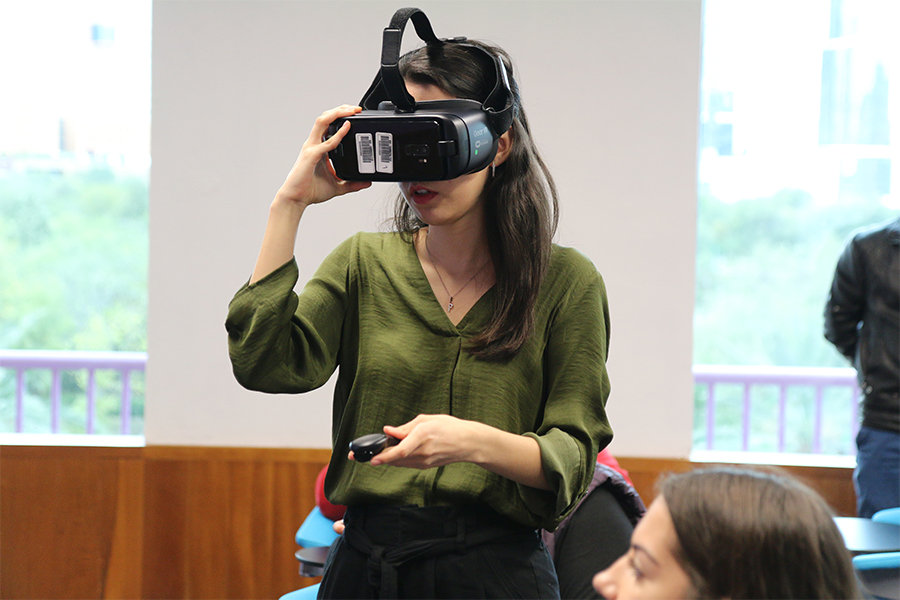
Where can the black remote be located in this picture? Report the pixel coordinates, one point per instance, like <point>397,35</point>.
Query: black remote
<point>367,446</point>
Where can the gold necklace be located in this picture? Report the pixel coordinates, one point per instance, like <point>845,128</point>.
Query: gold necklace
<point>441,279</point>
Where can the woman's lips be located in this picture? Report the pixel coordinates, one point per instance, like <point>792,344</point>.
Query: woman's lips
<point>421,194</point>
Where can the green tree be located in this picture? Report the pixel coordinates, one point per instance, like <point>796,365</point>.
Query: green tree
<point>764,269</point>
<point>73,277</point>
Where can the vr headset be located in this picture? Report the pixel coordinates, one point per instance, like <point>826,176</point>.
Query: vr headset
<point>395,138</point>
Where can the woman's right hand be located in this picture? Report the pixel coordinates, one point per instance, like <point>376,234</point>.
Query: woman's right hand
<point>312,179</point>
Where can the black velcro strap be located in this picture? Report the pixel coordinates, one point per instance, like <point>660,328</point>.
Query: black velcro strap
<point>500,104</point>
<point>390,54</point>
<point>501,96</point>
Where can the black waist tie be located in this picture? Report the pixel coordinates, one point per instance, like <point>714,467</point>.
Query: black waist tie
<point>392,536</point>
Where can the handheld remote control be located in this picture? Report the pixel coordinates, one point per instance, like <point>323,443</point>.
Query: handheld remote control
<point>367,446</point>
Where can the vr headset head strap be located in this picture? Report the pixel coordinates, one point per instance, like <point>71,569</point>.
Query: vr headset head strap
<point>499,104</point>
<point>389,83</point>
<point>501,95</point>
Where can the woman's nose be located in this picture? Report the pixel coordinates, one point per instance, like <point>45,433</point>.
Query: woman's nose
<point>606,581</point>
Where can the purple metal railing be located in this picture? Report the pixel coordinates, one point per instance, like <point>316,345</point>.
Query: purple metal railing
<point>819,378</point>
<point>709,375</point>
<point>57,361</point>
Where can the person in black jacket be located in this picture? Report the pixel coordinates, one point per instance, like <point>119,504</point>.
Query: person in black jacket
<point>862,320</point>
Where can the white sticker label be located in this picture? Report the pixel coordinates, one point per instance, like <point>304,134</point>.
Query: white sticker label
<point>385,150</point>
<point>365,153</point>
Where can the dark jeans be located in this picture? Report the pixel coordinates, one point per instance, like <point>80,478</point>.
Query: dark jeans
<point>877,474</point>
<point>437,552</point>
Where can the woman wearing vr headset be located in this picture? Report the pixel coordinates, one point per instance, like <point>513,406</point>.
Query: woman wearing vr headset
<point>465,335</point>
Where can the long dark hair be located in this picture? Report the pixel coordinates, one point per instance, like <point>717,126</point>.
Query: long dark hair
<point>521,200</point>
<point>756,534</point>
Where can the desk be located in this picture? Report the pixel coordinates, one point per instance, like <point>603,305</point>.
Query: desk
<point>866,535</point>
<point>312,560</point>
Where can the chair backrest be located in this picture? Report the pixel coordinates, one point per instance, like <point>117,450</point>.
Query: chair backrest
<point>888,515</point>
<point>307,593</point>
<point>879,560</point>
<point>316,530</point>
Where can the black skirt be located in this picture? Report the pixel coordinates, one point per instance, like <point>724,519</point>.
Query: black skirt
<point>437,552</point>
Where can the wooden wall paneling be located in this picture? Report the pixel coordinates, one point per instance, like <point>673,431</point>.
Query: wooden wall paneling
<point>834,484</point>
<point>238,512</point>
<point>250,558</point>
<point>126,559</point>
<point>207,531</point>
<point>645,472</point>
<point>262,559</point>
<point>165,518</point>
<point>64,515</point>
<point>162,522</point>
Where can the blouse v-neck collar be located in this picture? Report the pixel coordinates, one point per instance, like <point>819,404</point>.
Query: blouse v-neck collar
<point>433,309</point>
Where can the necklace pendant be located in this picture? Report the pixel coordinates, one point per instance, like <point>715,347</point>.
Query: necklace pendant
<point>450,304</point>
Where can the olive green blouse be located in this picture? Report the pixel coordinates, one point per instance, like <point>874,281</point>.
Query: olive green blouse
<point>370,312</point>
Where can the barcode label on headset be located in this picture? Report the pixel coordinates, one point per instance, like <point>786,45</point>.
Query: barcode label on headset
<point>365,153</point>
<point>385,152</point>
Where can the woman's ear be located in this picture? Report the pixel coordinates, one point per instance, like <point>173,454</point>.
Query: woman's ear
<point>504,147</point>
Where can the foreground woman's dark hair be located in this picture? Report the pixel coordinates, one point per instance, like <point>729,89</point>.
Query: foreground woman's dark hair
<point>757,534</point>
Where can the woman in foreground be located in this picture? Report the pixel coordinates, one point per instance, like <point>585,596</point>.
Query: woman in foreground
<point>733,533</point>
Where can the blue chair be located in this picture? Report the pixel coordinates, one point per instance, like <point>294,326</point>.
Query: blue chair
<point>307,593</point>
<point>879,573</point>
<point>316,530</point>
<point>888,515</point>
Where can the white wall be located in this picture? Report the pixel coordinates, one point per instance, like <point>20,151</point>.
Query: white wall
<point>611,87</point>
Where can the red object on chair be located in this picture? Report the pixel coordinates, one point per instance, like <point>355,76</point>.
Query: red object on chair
<point>332,511</point>
<point>605,457</point>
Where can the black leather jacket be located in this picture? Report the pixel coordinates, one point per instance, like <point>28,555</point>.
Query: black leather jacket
<point>862,319</point>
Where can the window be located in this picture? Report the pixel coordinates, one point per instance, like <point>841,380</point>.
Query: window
<point>797,150</point>
<point>74,166</point>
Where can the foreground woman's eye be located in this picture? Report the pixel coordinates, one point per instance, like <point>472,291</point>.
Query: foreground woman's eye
<point>638,574</point>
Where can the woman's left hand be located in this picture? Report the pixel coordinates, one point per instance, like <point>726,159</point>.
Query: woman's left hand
<point>437,440</point>
<point>430,441</point>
